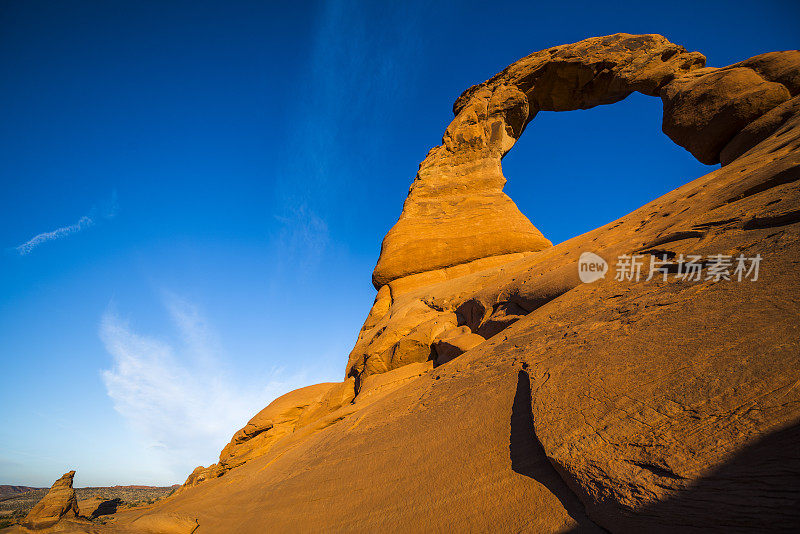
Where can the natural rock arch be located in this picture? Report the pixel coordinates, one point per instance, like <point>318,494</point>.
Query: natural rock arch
<point>456,213</point>
<point>456,219</point>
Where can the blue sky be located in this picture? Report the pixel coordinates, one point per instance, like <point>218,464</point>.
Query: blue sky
<point>194,195</point>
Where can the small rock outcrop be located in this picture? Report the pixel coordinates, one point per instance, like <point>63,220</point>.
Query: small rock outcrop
<point>454,343</point>
<point>59,503</point>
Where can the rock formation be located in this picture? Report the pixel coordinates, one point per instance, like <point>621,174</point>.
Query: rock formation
<point>490,390</point>
<point>456,220</point>
<point>59,503</point>
<point>456,212</point>
<point>283,416</point>
<point>705,110</point>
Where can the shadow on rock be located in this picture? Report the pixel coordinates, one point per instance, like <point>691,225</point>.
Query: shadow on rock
<point>528,457</point>
<point>108,507</point>
<point>758,490</point>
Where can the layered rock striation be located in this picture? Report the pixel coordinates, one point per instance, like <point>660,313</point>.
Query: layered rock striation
<point>59,503</point>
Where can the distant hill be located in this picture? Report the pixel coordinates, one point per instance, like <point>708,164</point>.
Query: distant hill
<point>7,491</point>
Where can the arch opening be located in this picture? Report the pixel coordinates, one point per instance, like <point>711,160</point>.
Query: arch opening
<point>571,172</point>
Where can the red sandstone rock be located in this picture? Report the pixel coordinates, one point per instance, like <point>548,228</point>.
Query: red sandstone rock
<point>59,503</point>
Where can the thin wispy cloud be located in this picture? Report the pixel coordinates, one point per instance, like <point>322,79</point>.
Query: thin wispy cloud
<point>177,396</point>
<point>303,239</point>
<point>28,246</point>
<point>353,84</point>
<point>352,71</point>
<point>106,210</point>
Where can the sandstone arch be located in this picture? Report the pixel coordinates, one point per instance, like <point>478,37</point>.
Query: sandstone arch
<point>456,220</point>
<point>456,212</point>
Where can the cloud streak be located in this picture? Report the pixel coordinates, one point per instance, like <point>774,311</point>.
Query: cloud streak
<point>58,233</point>
<point>177,396</point>
<point>303,239</point>
<point>107,210</point>
<point>353,84</point>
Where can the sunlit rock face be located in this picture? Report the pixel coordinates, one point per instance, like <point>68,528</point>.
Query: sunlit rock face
<point>490,389</point>
<point>285,415</point>
<point>59,503</point>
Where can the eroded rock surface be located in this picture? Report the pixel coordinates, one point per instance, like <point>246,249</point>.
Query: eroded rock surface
<point>283,416</point>
<point>704,111</point>
<point>164,523</point>
<point>455,342</point>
